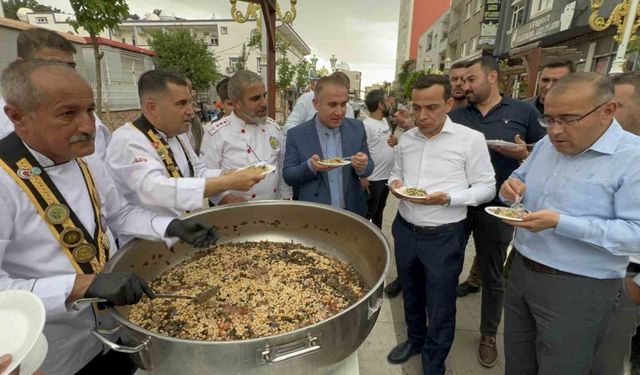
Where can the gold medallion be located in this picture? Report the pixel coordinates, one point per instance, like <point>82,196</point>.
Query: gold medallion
<point>84,253</point>
<point>71,237</point>
<point>56,213</point>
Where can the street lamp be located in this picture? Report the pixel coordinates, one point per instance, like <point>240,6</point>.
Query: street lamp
<point>333,60</point>
<point>314,62</point>
<point>624,17</point>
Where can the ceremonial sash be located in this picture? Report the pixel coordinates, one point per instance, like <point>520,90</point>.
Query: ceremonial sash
<point>162,148</point>
<point>87,253</point>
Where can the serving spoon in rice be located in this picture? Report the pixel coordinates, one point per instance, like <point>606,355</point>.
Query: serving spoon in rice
<point>198,299</point>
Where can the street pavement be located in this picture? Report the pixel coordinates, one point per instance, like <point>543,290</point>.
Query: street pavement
<point>390,328</point>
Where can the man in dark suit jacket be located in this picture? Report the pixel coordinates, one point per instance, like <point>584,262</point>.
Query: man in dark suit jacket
<point>329,134</point>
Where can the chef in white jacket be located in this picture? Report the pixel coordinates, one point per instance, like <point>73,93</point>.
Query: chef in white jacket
<point>247,137</point>
<point>60,211</point>
<point>151,159</point>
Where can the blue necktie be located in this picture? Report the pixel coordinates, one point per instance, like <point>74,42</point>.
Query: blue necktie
<point>334,175</point>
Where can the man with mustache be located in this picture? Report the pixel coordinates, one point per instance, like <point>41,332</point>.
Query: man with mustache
<point>506,119</point>
<point>151,159</point>
<point>247,137</point>
<point>60,212</point>
<point>37,43</point>
<point>572,249</point>
<point>456,77</point>
<point>326,136</point>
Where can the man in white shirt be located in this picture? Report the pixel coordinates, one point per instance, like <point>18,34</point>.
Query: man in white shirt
<point>43,44</point>
<point>304,110</point>
<point>451,163</point>
<point>381,143</point>
<point>60,212</point>
<point>247,137</point>
<point>151,159</point>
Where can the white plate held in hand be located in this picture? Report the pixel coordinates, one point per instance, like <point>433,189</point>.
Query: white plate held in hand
<point>328,163</point>
<point>22,319</point>
<point>501,143</point>
<point>492,211</point>
<point>267,168</point>
<point>403,192</point>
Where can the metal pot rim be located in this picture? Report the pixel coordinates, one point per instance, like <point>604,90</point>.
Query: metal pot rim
<point>116,314</point>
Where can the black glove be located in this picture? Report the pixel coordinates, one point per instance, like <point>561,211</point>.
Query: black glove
<point>119,288</point>
<point>192,232</point>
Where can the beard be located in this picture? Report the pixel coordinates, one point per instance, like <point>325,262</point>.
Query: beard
<point>255,118</point>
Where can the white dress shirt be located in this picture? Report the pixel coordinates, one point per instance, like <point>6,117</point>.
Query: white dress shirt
<point>304,111</point>
<point>232,144</point>
<point>143,179</point>
<point>102,132</point>
<point>456,161</point>
<point>31,258</point>
<point>378,133</point>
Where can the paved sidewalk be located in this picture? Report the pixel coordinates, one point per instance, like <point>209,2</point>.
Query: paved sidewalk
<point>391,330</point>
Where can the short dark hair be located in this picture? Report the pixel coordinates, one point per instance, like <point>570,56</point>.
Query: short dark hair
<point>32,40</point>
<point>628,78</point>
<point>374,98</point>
<point>157,81</point>
<point>343,77</point>
<point>458,65</point>
<point>222,89</point>
<point>560,64</point>
<point>331,80</point>
<point>488,63</point>
<point>426,81</point>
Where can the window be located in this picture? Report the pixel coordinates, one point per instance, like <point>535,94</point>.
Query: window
<point>540,6</point>
<point>233,63</point>
<point>517,17</point>
<point>223,30</point>
<point>259,69</point>
<point>474,44</point>
<point>463,49</point>
<point>468,11</point>
<point>41,20</point>
<point>214,42</point>
<point>479,5</point>
<point>133,39</point>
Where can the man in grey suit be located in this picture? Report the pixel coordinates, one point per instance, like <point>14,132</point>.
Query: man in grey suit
<point>329,134</point>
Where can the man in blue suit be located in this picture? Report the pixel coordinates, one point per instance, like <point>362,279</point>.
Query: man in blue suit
<point>329,134</point>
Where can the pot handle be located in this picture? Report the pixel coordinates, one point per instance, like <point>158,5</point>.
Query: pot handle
<point>271,354</point>
<point>82,301</point>
<point>372,310</point>
<point>119,348</point>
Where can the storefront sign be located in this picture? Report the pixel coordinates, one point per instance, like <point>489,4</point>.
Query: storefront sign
<point>547,24</point>
<point>490,20</point>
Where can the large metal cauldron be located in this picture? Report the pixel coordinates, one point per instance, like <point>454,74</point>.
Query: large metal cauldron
<point>315,349</point>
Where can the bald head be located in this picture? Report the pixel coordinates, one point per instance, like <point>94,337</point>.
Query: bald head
<point>601,87</point>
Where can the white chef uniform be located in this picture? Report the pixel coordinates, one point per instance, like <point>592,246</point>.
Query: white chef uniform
<point>143,179</point>
<point>232,144</point>
<point>31,258</point>
<point>102,132</point>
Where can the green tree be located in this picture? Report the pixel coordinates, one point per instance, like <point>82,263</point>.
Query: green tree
<point>413,77</point>
<point>10,7</point>
<point>95,16</point>
<point>179,51</point>
<point>302,73</point>
<point>405,73</point>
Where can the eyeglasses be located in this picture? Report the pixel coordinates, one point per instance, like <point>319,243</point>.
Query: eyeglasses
<point>547,121</point>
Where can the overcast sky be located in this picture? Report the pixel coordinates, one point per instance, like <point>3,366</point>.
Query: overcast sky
<point>361,33</point>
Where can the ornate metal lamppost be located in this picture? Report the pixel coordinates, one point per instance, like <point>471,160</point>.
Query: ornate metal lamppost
<point>625,17</point>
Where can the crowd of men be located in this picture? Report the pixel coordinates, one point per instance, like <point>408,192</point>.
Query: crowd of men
<point>73,193</point>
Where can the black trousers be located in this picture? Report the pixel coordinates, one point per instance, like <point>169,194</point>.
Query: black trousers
<point>111,363</point>
<point>491,237</point>
<point>429,264</point>
<point>378,193</point>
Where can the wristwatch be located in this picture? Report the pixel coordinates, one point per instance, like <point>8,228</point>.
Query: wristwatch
<point>448,202</point>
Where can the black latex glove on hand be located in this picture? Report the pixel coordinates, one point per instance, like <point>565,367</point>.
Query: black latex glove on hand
<point>192,232</point>
<point>119,288</point>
